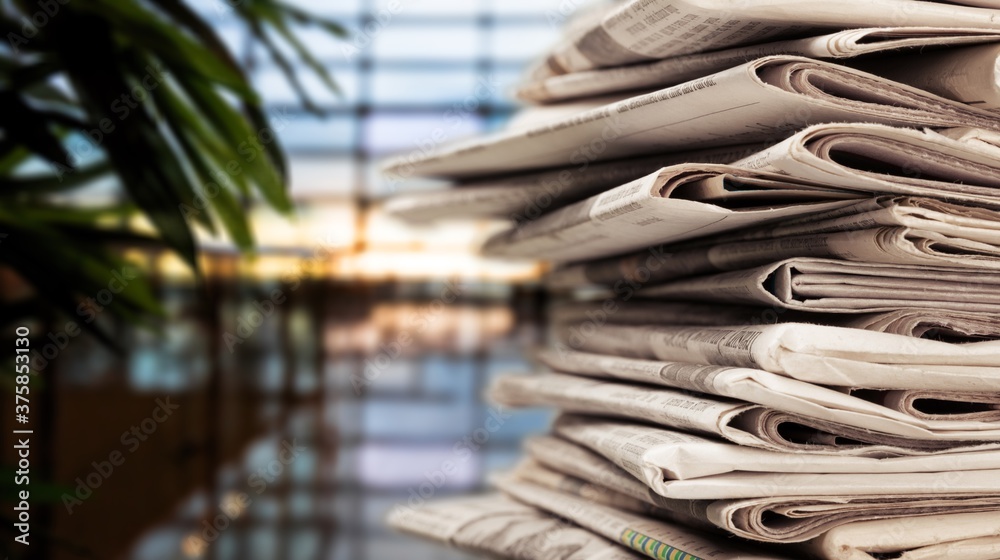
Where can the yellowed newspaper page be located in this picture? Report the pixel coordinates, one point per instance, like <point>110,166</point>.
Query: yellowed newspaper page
<point>836,286</point>
<point>640,30</point>
<point>760,101</point>
<point>886,411</point>
<point>780,520</point>
<point>967,74</point>
<point>628,445</point>
<point>909,162</point>
<point>969,536</point>
<point>527,196</point>
<point>496,525</point>
<point>674,204</point>
<point>650,537</point>
<point>842,44</point>
<point>672,456</point>
<point>818,354</point>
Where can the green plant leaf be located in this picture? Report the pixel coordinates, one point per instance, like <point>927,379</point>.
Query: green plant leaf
<point>27,127</point>
<point>203,115</point>
<point>47,184</point>
<point>179,52</point>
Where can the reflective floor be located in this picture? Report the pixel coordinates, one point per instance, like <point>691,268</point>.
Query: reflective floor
<point>348,398</point>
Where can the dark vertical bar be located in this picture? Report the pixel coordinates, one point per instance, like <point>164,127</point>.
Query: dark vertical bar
<point>212,295</point>
<point>290,408</point>
<point>326,435</point>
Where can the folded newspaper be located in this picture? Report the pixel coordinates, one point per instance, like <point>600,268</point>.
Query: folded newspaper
<point>649,537</point>
<point>606,482</point>
<point>939,405</point>
<point>941,409</point>
<point>561,465</point>
<point>819,354</point>
<point>962,535</point>
<point>503,528</point>
<point>890,245</point>
<point>690,201</point>
<point>969,536</point>
<point>527,196</point>
<point>842,44</point>
<point>963,74</point>
<point>619,307</point>
<point>892,230</point>
<point>827,285</point>
<point>676,203</point>
<point>877,432</point>
<point>642,30</point>
<point>633,448</point>
<point>763,100</point>
<point>674,455</point>
<point>882,159</point>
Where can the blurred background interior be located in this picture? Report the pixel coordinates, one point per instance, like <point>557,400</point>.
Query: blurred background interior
<point>372,362</point>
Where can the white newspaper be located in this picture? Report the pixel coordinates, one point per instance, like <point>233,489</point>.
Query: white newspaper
<point>650,537</point>
<point>832,286</point>
<point>968,536</point>
<point>608,481</point>
<point>885,160</point>
<point>643,452</point>
<point>965,74</point>
<point>941,405</point>
<point>939,324</point>
<point>932,410</point>
<point>496,525</point>
<point>842,44</point>
<point>936,324</point>
<point>534,115</point>
<point>642,30</point>
<point>881,159</point>
<point>818,354</point>
<point>895,230</point>
<point>760,101</point>
<point>532,471</point>
<point>567,467</point>
<point>632,312</point>
<point>972,222</point>
<point>527,196</point>
<point>975,137</point>
<point>891,433</point>
<point>889,245</point>
<point>676,203</point>
<point>673,455</point>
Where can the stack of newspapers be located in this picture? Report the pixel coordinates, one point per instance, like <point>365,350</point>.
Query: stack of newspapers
<point>775,237</point>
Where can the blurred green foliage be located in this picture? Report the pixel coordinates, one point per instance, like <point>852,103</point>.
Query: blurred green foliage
<point>158,102</point>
